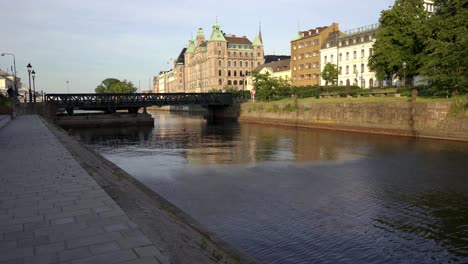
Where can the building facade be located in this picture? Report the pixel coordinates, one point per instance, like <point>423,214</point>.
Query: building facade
<point>221,61</point>
<point>305,55</point>
<point>350,52</point>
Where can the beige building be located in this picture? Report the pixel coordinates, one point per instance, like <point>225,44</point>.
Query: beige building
<point>215,63</point>
<point>305,55</point>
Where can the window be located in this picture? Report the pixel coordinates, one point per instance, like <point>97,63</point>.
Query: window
<point>316,42</point>
<point>354,54</point>
<point>235,54</point>
<point>229,63</point>
<point>347,55</point>
<point>331,58</point>
<point>347,69</point>
<point>301,66</point>
<point>219,63</point>
<point>251,54</point>
<point>246,54</point>
<point>229,82</point>
<point>308,55</point>
<point>308,65</point>
<point>229,54</point>
<point>235,63</point>
<point>235,82</point>
<point>235,73</point>
<point>325,59</point>
<point>240,63</point>
<point>294,58</point>
<point>301,56</point>
<point>219,53</point>
<point>220,81</point>
<point>354,68</point>
<point>315,54</point>
<point>258,54</point>
<point>220,73</point>
<point>229,73</point>
<point>252,64</point>
<point>362,53</point>
<point>240,54</point>
<point>341,56</point>
<point>362,67</point>
<point>371,52</point>
<point>258,63</point>
<point>340,70</point>
<point>240,73</point>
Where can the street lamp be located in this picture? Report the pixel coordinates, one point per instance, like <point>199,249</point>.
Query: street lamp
<point>14,66</point>
<point>29,67</point>
<point>404,73</point>
<point>33,74</point>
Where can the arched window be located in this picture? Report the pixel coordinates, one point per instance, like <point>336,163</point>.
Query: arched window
<point>235,82</point>
<point>229,73</point>
<point>363,83</point>
<point>235,73</point>
<point>371,83</point>
<point>240,73</point>
<point>229,82</point>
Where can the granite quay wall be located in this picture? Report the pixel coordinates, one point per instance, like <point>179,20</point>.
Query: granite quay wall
<point>416,119</point>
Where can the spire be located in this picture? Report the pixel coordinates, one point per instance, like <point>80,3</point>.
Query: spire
<point>217,34</point>
<point>191,46</point>
<point>258,41</point>
<point>260,32</point>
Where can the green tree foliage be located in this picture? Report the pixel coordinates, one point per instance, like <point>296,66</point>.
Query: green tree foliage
<point>112,85</point>
<point>330,74</point>
<point>401,38</point>
<point>269,88</point>
<point>446,53</point>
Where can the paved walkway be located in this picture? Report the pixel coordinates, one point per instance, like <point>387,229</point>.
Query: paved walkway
<point>52,211</point>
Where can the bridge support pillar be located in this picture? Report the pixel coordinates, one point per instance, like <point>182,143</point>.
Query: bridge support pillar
<point>220,113</point>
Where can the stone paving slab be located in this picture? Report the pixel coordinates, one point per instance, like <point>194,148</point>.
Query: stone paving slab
<point>53,211</point>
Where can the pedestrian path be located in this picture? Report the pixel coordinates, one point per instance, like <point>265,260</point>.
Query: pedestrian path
<point>53,211</point>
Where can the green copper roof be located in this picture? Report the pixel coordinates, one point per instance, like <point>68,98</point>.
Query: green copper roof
<point>200,32</point>
<point>191,46</point>
<point>257,41</point>
<point>217,35</point>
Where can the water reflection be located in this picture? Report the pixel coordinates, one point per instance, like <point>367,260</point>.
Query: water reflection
<point>290,195</point>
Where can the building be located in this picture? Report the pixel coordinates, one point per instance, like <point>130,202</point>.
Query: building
<point>7,81</point>
<point>280,69</point>
<point>211,64</point>
<point>305,55</point>
<point>222,60</point>
<point>350,52</point>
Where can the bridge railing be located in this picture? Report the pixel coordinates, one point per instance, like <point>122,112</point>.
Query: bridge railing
<point>96,101</point>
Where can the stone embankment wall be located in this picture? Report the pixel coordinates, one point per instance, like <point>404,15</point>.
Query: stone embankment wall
<point>418,119</point>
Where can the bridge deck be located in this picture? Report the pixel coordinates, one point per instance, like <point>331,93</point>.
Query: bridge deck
<point>136,100</point>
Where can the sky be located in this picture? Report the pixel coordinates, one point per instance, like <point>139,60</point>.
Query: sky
<point>87,41</point>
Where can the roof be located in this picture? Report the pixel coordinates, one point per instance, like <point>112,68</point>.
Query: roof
<point>272,58</point>
<point>331,40</point>
<point>276,66</point>
<point>238,40</point>
<point>181,58</point>
<point>217,34</point>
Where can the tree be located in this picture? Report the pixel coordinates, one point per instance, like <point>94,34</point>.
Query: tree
<point>401,38</point>
<point>104,87</point>
<point>269,88</point>
<point>112,85</point>
<point>330,74</point>
<point>446,53</point>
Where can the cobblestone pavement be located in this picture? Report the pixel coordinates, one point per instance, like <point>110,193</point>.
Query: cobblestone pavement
<point>52,210</point>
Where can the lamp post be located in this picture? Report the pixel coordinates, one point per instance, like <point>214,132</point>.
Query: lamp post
<point>15,84</point>
<point>33,74</point>
<point>404,73</point>
<point>29,67</point>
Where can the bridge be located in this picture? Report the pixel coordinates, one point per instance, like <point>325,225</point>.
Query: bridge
<point>110,103</point>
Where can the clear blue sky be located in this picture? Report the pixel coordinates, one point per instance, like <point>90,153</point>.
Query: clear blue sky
<point>87,41</point>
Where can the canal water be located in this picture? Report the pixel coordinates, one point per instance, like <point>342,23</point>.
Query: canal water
<point>287,195</point>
